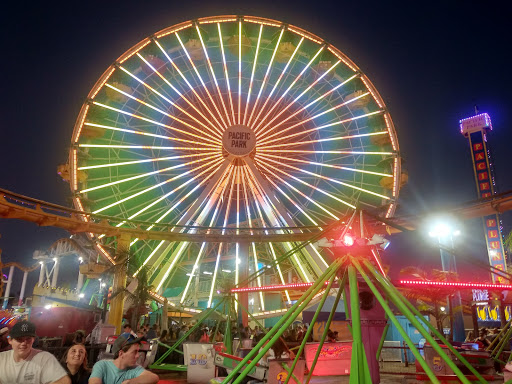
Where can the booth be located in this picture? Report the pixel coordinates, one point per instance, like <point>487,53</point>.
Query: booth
<point>199,359</point>
<point>334,358</point>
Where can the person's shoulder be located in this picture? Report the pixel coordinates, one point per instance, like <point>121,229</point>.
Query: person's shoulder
<point>42,354</point>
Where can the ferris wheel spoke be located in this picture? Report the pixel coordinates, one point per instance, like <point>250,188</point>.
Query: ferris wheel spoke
<point>133,178</point>
<point>213,129</point>
<point>152,160</point>
<point>329,152</point>
<point>269,97</point>
<point>308,198</point>
<point>294,101</point>
<point>320,190</point>
<point>295,203</point>
<point>226,75</point>
<point>279,216</point>
<point>252,74</point>
<point>201,251</point>
<point>182,185</point>
<point>301,109</point>
<point>193,272</point>
<point>225,224</point>
<point>324,140</point>
<point>239,71</point>
<point>319,176</point>
<point>344,104</point>
<point>249,220</point>
<point>342,168</point>
<point>184,132</point>
<point>192,89</point>
<point>265,78</point>
<point>308,131</point>
<point>294,82</point>
<point>160,125</point>
<point>126,146</point>
<point>219,114</point>
<point>213,73</point>
<point>260,214</point>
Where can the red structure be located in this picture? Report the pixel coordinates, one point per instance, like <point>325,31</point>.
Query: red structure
<point>59,321</point>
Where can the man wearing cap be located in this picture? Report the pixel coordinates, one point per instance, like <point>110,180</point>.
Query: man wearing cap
<point>124,368</point>
<point>23,364</point>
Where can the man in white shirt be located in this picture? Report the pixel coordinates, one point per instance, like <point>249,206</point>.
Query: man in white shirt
<point>23,364</point>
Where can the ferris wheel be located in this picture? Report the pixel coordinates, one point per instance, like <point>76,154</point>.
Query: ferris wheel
<point>234,122</point>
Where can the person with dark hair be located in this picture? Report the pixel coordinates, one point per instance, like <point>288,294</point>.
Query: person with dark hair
<point>74,362</point>
<point>152,333</point>
<point>79,337</point>
<point>128,332</point>
<point>23,364</point>
<point>124,366</point>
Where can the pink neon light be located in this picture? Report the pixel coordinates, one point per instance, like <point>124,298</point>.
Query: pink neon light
<point>280,287</point>
<point>455,285</point>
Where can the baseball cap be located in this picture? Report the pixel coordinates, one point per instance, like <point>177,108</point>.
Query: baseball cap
<point>23,329</point>
<point>122,342</point>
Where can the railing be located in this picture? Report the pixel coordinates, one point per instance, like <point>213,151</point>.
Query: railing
<point>396,358</point>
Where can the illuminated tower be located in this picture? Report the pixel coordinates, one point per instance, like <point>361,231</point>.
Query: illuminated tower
<point>475,128</point>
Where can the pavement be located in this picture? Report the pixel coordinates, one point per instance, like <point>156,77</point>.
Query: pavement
<point>170,377</point>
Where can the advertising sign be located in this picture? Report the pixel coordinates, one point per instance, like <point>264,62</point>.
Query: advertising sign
<point>485,189</point>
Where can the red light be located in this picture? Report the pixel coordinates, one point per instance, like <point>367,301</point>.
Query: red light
<point>456,284</point>
<point>348,240</point>
<point>274,287</point>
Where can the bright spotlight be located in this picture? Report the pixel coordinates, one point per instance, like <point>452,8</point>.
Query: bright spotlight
<point>48,306</point>
<point>348,240</point>
<point>440,230</point>
<point>81,295</point>
<point>55,259</point>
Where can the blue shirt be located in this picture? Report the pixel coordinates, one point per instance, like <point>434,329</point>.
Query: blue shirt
<point>107,371</point>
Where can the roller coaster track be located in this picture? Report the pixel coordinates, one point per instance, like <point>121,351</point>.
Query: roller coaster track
<point>16,206</point>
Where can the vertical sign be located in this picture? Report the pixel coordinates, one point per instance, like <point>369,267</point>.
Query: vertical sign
<point>475,129</point>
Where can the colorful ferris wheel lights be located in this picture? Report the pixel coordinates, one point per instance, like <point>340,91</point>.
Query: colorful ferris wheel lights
<point>150,146</point>
<point>290,60</point>
<point>265,78</point>
<point>345,103</point>
<point>283,110</point>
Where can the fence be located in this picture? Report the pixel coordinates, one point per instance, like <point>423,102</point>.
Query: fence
<point>396,358</point>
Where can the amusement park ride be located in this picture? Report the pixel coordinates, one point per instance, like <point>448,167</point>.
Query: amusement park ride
<point>231,152</point>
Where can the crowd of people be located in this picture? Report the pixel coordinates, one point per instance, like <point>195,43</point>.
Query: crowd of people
<point>484,338</point>
<point>23,363</point>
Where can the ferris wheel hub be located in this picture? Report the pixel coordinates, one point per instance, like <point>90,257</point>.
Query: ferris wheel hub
<point>239,140</point>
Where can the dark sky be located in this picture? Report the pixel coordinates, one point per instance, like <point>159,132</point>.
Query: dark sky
<point>431,62</point>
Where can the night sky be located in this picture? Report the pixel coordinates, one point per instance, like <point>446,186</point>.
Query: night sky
<point>431,63</point>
